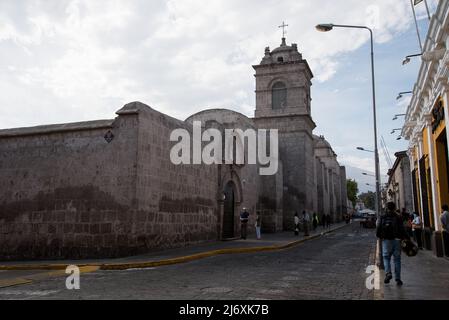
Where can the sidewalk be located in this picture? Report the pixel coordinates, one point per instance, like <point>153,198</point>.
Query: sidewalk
<point>269,242</point>
<point>425,277</point>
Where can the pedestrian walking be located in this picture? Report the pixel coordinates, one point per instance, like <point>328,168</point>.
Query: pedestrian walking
<point>296,224</point>
<point>315,221</point>
<point>305,223</point>
<point>258,226</point>
<point>391,231</point>
<point>323,221</point>
<point>244,217</point>
<point>417,229</point>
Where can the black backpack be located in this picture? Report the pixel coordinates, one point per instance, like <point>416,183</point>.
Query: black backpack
<point>389,227</point>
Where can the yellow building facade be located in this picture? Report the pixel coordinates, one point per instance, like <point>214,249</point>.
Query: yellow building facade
<point>426,128</point>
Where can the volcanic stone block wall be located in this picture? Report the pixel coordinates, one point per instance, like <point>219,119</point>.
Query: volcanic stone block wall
<point>64,187</point>
<point>296,152</point>
<point>100,189</point>
<point>180,200</point>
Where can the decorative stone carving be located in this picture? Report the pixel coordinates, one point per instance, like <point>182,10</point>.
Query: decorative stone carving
<point>434,55</point>
<point>109,136</point>
<point>437,115</point>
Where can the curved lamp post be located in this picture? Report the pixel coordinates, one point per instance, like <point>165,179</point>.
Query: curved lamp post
<point>407,58</point>
<point>401,94</point>
<point>396,116</point>
<point>325,27</point>
<point>363,149</point>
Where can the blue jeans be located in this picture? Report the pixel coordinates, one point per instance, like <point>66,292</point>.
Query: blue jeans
<point>258,232</point>
<point>392,248</point>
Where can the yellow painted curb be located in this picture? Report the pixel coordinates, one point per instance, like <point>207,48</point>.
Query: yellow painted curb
<point>13,282</point>
<point>19,267</point>
<point>42,276</point>
<point>152,264</point>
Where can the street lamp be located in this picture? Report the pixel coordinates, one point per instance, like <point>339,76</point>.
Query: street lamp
<point>328,27</point>
<point>394,130</point>
<point>407,58</point>
<point>325,27</point>
<point>398,115</point>
<point>363,149</point>
<point>367,174</point>
<point>401,94</point>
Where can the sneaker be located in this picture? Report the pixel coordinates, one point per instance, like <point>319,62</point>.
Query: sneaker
<point>399,282</point>
<point>388,277</point>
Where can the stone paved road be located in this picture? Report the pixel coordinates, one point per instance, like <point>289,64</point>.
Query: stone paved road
<point>331,267</point>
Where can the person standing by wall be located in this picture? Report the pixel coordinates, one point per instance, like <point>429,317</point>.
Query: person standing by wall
<point>417,230</point>
<point>244,217</point>
<point>328,221</point>
<point>315,221</point>
<point>305,223</point>
<point>296,224</point>
<point>445,223</point>
<point>258,226</point>
<point>445,218</point>
<point>407,219</point>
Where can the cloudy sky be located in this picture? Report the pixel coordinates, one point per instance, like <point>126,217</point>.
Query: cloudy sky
<point>75,60</point>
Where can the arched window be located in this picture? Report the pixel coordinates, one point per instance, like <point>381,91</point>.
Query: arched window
<point>279,95</point>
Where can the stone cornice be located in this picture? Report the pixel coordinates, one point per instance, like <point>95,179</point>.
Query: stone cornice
<point>433,73</point>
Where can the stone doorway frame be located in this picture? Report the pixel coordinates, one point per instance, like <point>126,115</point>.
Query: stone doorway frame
<point>230,177</point>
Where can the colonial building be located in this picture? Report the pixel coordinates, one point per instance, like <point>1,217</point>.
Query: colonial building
<point>108,188</point>
<point>399,186</point>
<point>425,127</point>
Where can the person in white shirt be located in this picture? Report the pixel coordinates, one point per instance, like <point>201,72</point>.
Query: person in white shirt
<point>296,224</point>
<point>258,225</point>
<point>417,230</point>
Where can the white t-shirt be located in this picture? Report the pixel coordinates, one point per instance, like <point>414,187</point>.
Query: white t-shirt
<point>417,221</point>
<point>296,220</point>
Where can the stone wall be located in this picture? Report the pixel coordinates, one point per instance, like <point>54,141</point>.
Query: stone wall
<point>66,186</point>
<point>245,177</point>
<point>344,190</point>
<point>101,189</point>
<point>184,196</point>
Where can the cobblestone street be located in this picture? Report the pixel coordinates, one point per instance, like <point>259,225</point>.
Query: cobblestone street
<point>330,267</point>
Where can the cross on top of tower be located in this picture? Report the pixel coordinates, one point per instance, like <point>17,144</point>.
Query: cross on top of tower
<point>283,26</point>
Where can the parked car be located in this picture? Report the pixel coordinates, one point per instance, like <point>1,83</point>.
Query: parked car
<point>369,222</point>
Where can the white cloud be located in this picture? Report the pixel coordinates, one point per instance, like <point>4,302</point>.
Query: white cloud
<point>80,59</point>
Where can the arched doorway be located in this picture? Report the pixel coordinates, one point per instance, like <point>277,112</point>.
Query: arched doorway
<point>228,214</point>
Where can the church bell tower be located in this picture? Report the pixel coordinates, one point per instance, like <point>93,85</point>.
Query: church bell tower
<point>283,102</point>
<point>283,81</point>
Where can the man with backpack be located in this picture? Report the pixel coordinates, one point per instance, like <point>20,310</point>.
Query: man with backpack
<point>391,231</point>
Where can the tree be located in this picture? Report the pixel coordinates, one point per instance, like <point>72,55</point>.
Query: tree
<point>353,189</point>
<point>369,199</point>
